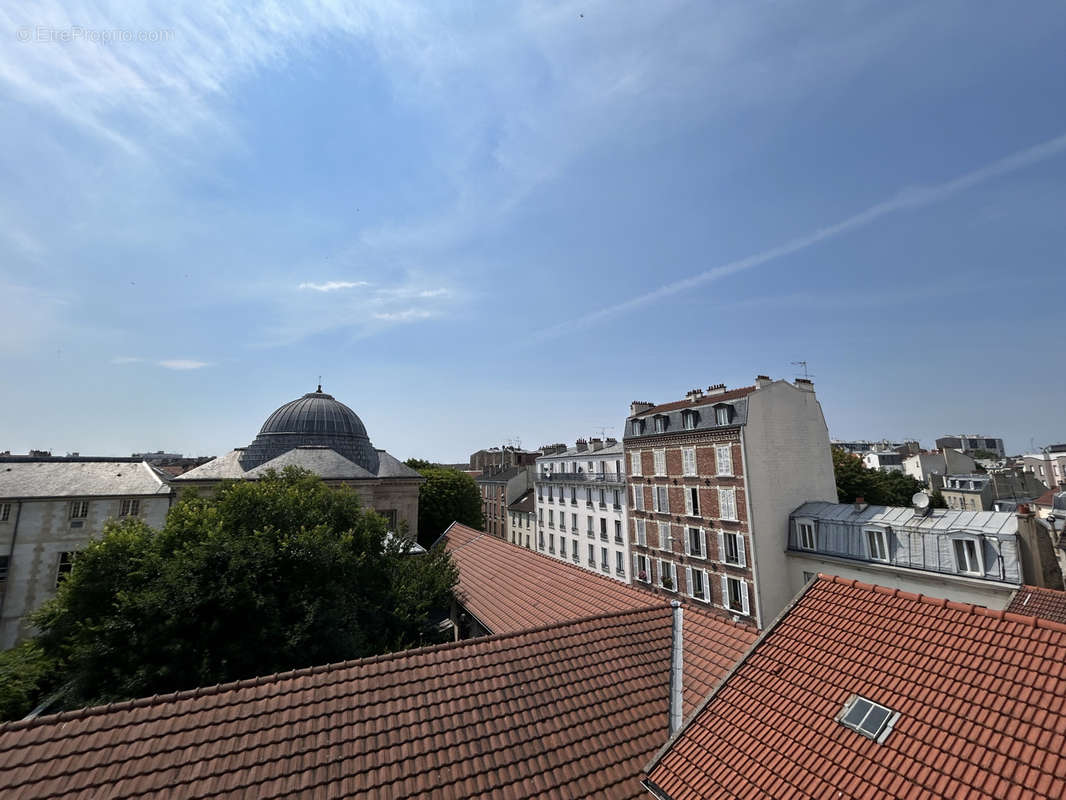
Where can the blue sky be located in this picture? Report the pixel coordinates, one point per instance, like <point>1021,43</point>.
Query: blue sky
<point>483,222</point>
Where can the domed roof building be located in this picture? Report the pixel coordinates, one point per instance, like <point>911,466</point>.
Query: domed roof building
<point>323,435</point>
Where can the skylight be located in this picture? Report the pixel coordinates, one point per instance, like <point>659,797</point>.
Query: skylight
<point>867,717</point>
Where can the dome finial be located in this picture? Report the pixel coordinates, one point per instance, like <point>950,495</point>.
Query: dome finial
<point>320,384</point>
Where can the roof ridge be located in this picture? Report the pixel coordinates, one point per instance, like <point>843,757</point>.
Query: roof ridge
<point>980,611</point>
<point>261,680</point>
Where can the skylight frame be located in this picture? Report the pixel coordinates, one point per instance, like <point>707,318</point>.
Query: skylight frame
<point>869,710</point>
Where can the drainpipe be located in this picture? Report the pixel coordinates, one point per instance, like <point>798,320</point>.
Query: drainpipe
<point>676,669</point>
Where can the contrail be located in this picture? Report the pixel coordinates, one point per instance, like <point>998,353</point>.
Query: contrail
<point>916,197</point>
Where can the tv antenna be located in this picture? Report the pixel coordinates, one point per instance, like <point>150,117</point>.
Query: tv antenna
<point>806,375</point>
<point>602,430</point>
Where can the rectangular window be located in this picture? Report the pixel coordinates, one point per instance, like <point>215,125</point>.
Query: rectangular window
<point>642,533</point>
<point>660,424</point>
<point>727,504</point>
<point>638,497</point>
<point>877,542</point>
<point>574,552</point>
<point>697,584</point>
<point>605,565</point>
<point>688,419</point>
<point>735,594</point>
<point>562,547</point>
<point>731,548</point>
<point>79,509</point>
<point>592,555</point>
<point>660,461</point>
<point>696,541</point>
<point>692,501</point>
<point>665,540</point>
<point>129,508</point>
<point>721,415</point>
<point>806,535</point>
<point>618,531</point>
<point>5,512</point>
<point>723,457</point>
<point>603,498</point>
<point>667,578</point>
<point>551,518</point>
<point>688,461</point>
<point>603,529</point>
<point>551,542</point>
<point>616,498</point>
<point>968,557</point>
<point>661,495</point>
<point>619,563</point>
<point>573,495</point>
<point>540,492</point>
<point>551,494</point>
<point>540,515</point>
<point>634,463</point>
<point>64,566</point>
<point>641,568</point>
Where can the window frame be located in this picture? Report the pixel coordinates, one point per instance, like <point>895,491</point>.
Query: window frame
<point>801,539</point>
<point>731,493</point>
<point>659,458</point>
<point>672,576</point>
<point>978,547</point>
<point>704,578</point>
<point>636,469</point>
<point>727,450</point>
<point>688,462</point>
<point>872,533</point>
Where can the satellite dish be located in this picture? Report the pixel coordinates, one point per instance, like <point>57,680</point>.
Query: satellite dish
<point>920,500</point>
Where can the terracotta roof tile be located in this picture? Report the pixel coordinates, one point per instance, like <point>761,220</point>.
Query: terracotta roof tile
<point>511,588</point>
<point>569,710</point>
<point>976,692</point>
<point>1033,601</point>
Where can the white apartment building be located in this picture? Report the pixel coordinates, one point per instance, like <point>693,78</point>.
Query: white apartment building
<point>49,509</point>
<point>886,461</point>
<point>580,501</point>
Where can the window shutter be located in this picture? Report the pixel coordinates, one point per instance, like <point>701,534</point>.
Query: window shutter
<point>703,543</point>
<point>721,546</point>
<point>688,580</point>
<point>741,551</point>
<point>636,567</point>
<point>725,591</point>
<point>706,586</point>
<point>688,502</point>
<point>744,596</point>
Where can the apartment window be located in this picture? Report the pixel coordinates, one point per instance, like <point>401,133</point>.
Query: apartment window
<point>721,415</point>
<point>642,532</point>
<point>667,578</point>
<point>591,530</point>
<point>562,547</point>
<point>616,498</point>
<point>727,504</point>
<point>603,498</point>
<point>573,522</point>
<point>588,497</point>
<point>692,501</point>
<point>618,531</point>
<point>551,494</point>
<point>688,419</point>
<point>661,495</point>
<point>968,557</point>
<point>5,512</point>
<point>665,540</point>
<point>660,424</point>
<point>603,529</point>
<point>573,495</point>
<point>604,562</point>
<point>698,586</point>
<point>64,566</point>
<point>723,457</point>
<point>641,568</point>
<point>806,535</point>
<point>696,543</point>
<point>638,426</point>
<point>638,497</point>
<point>731,548</point>
<point>688,460</point>
<point>551,518</point>
<point>619,563</point>
<point>592,555</point>
<point>540,541</point>
<point>79,509</point>
<point>735,594</point>
<point>634,463</point>
<point>551,542</point>
<point>574,551</point>
<point>660,461</point>
<point>877,542</point>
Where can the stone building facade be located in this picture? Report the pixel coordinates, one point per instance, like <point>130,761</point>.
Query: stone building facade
<point>499,488</point>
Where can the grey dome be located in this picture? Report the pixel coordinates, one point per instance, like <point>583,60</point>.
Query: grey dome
<point>318,420</point>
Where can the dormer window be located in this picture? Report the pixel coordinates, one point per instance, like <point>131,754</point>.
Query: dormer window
<point>660,423</point>
<point>689,419</point>
<point>805,528</point>
<point>723,414</point>
<point>968,556</point>
<point>877,543</point>
<point>638,426</point>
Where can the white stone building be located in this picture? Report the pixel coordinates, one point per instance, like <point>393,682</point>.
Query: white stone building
<point>886,461</point>
<point>49,509</point>
<point>580,502</point>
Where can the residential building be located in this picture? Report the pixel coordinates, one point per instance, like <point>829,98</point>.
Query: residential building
<point>522,521</point>
<point>972,557</point>
<point>172,464</point>
<point>863,691</point>
<point>884,460</point>
<point>861,447</point>
<point>581,506</point>
<point>713,479</point>
<point>971,443</point>
<point>979,491</point>
<point>1035,601</point>
<point>319,433</point>
<point>922,466</point>
<point>49,510</point>
<point>499,488</point>
<point>502,458</point>
<point>1048,467</point>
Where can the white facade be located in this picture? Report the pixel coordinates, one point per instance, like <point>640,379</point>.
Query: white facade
<point>581,508</point>
<point>49,510</point>
<point>884,461</point>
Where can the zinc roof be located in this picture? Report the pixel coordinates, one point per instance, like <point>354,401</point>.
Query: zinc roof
<point>979,695</point>
<point>29,479</point>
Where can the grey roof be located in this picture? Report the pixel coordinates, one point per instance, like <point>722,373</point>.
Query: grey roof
<point>502,476</point>
<point>391,467</point>
<point>217,469</point>
<point>322,461</point>
<point>27,479</point>
<point>617,449</point>
<point>904,517</point>
<point>703,409</point>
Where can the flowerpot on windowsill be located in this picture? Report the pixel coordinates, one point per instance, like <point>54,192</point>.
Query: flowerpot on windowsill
<point>643,576</point>
<point>668,584</point>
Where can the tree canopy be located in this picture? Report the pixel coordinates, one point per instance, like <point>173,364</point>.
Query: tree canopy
<point>261,577</point>
<point>886,488</point>
<point>447,496</point>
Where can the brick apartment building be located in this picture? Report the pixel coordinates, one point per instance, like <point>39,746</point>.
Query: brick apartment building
<point>712,481</point>
<point>499,489</point>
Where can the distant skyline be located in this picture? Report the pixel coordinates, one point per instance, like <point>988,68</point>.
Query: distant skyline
<point>496,222</point>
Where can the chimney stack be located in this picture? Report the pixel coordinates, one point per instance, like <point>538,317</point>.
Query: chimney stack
<point>762,380</point>
<point>805,384</point>
<point>695,395</point>
<point>639,407</point>
<point>597,443</point>
<point>860,504</point>
<point>582,445</point>
<point>716,389</point>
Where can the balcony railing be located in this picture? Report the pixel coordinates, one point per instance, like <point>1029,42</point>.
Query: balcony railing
<point>582,477</point>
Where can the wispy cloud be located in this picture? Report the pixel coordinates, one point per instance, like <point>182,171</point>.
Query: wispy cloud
<point>183,364</point>
<point>908,199</point>
<point>333,286</point>
<point>407,315</point>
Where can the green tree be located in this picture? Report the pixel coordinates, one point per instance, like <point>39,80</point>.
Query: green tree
<point>447,496</point>
<point>26,675</point>
<point>936,500</point>
<point>880,488</point>
<point>262,577</point>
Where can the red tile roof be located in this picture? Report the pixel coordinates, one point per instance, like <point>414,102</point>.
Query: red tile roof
<point>1047,498</point>
<point>571,710</point>
<point>706,400</point>
<point>1037,602</point>
<point>980,696</point>
<point>510,588</point>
